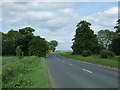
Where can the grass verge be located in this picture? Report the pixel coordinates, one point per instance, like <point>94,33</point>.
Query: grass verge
<point>96,59</point>
<point>28,72</point>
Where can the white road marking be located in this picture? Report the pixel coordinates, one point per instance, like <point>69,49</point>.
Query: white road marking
<point>87,70</point>
<point>62,61</point>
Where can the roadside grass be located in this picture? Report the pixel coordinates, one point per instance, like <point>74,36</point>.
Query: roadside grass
<point>7,59</point>
<point>96,59</point>
<point>28,72</point>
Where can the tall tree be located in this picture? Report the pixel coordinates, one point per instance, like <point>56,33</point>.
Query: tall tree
<point>85,39</point>
<point>28,35</point>
<point>117,27</point>
<point>105,38</point>
<point>115,46</point>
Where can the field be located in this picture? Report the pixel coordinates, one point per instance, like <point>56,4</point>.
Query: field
<point>28,72</point>
<point>96,59</point>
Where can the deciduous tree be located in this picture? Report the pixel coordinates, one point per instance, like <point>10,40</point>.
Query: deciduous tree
<point>85,39</point>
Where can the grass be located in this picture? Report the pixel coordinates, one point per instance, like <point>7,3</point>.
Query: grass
<point>96,59</point>
<point>28,72</point>
<point>7,59</point>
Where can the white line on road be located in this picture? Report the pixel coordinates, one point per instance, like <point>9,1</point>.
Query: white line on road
<point>87,70</point>
<point>62,61</point>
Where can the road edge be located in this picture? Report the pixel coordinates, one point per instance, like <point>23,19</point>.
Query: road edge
<point>52,85</point>
<point>92,63</point>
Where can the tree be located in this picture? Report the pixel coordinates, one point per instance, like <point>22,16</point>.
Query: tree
<point>115,46</point>
<point>85,39</point>
<point>9,42</point>
<point>54,43</point>
<point>0,43</point>
<point>52,48</point>
<point>105,38</point>
<point>117,27</point>
<point>26,30</point>
<point>38,47</point>
<point>28,35</point>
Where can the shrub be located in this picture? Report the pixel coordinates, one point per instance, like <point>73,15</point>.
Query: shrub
<point>19,52</point>
<point>106,54</point>
<point>86,53</point>
<point>119,58</point>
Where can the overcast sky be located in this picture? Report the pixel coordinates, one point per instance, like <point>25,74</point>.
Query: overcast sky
<point>57,21</point>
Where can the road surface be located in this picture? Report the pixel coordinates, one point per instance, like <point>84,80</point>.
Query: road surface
<point>68,73</point>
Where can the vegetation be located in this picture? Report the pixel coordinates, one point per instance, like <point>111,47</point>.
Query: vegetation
<point>19,52</point>
<point>96,59</point>
<point>105,38</point>
<point>116,41</point>
<point>38,47</point>
<point>84,38</point>
<point>27,41</point>
<point>86,53</point>
<point>29,72</point>
<point>107,54</point>
<point>52,45</point>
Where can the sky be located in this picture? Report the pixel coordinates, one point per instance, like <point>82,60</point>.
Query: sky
<point>58,20</point>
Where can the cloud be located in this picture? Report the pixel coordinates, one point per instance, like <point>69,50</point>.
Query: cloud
<point>61,0</point>
<point>103,20</point>
<point>66,10</point>
<point>54,21</point>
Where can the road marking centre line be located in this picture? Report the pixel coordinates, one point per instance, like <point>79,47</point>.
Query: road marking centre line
<point>87,70</point>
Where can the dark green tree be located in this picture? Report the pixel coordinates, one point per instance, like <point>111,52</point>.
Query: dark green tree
<point>28,35</point>
<point>117,27</point>
<point>85,39</point>
<point>9,42</point>
<point>38,47</point>
<point>115,46</point>
<point>54,43</point>
<point>26,30</point>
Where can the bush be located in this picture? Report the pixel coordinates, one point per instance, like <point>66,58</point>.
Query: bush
<point>19,52</point>
<point>14,68</point>
<point>86,53</point>
<point>119,58</point>
<point>106,54</point>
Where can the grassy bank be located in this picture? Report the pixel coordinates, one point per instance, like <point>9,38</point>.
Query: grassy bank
<point>96,59</point>
<point>28,72</point>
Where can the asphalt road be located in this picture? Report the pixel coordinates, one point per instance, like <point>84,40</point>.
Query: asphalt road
<point>68,73</point>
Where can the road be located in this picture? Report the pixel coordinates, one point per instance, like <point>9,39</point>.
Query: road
<point>68,73</point>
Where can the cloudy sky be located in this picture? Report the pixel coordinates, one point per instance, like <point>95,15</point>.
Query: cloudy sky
<point>57,21</point>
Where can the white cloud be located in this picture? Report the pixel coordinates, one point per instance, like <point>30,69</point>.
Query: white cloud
<point>103,20</point>
<point>66,10</point>
<point>61,0</point>
<point>54,20</point>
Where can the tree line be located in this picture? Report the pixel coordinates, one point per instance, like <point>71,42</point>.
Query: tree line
<point>86,42</point>
<point>24,42</point>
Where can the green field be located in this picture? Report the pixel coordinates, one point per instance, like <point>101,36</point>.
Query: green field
<point>28,72</point>
<point>96,59</point>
